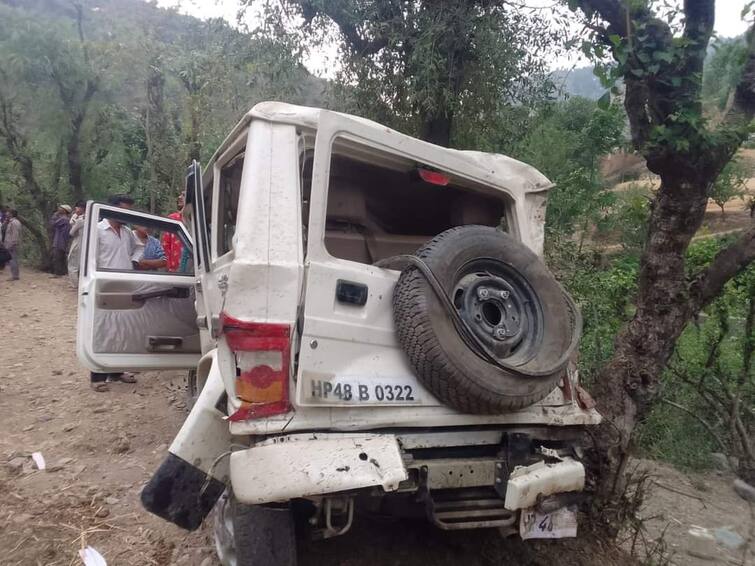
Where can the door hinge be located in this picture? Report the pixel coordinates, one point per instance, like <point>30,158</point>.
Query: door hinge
<point>215,326</point>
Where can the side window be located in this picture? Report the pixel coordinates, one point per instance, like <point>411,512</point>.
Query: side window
<point>228,202</point>
<point>306,159</point>
<point>145,244</point>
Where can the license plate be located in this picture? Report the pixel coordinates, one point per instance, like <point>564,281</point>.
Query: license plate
<point>558,524</point>
<point>346,390</point>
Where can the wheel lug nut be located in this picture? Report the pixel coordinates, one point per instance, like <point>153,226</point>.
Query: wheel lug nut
<point>504,295</point>
<point>482,292</point>
<point>499,333</point>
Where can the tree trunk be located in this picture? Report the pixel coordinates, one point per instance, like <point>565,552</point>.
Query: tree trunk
<point>628,384</point>
<point>437,129</point>
<point>74,160</point>
<point>73,147</point>
<point>42,243</point>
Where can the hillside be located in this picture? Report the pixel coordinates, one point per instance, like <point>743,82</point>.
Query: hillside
<point>580,81</point>
<point>117,96</point>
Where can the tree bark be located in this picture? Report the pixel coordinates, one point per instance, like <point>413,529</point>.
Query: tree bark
<point>628,384</point>
<point>437,129</point>
<point>73,146</point>
<point>42,242</point>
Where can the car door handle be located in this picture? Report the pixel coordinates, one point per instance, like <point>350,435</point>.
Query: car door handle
<point>164,343</point>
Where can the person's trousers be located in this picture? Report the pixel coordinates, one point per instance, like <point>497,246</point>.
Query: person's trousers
<point>13,262</point>
<point>98,377</point>
<point>59,261</point>
<point>95,377</point>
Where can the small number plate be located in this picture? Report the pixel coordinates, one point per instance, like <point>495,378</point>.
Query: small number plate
<point>355,391</point>
<point>558,524</point>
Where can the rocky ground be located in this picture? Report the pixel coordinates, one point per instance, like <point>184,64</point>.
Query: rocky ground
<point>100,449</point>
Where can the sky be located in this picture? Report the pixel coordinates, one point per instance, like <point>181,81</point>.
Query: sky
<point>728,24</point>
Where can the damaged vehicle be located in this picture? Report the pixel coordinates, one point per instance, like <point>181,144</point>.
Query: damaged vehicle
<point>370,324</point>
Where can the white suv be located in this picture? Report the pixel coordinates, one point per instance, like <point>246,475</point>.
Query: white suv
<point>370,323</point>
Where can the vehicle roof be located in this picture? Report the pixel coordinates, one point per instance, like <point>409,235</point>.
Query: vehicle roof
<point>504,171</point>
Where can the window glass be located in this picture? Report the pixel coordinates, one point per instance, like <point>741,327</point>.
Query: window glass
<point>144,244</point>
<point>228,202</point>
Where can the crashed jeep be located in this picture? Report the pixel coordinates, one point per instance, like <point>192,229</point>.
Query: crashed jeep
<point>370,323</point>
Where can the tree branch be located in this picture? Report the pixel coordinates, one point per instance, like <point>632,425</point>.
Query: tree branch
<point>612,11</point>
<point>345,20</point>
<point>701,420</point>
<point>698,25</point>
<point>726,265</point>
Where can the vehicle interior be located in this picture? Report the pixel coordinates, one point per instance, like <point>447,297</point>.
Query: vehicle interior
<point>379,208</point>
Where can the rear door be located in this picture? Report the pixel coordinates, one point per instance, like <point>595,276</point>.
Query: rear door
<point>349,354</point>
<point>131,317</point>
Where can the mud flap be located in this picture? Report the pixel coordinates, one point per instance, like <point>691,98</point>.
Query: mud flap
<point>193,475</point>
<point>180,493</point>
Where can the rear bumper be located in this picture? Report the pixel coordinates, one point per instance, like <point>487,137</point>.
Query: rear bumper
<point>307,465</point>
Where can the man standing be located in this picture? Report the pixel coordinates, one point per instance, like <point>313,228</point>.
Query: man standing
<point>60,229</point>
<point>12,241</point>
<point>171,244</point>
<point>116,249</point>
<point>74,253</point>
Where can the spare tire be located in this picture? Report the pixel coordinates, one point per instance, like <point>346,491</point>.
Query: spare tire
<point>522,324</point>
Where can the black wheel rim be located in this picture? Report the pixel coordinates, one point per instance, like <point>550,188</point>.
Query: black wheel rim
<point>500,308</point>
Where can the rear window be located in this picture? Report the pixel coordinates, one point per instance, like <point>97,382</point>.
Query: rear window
<point>379,206</point>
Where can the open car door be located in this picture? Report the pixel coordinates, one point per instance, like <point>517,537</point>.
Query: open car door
<point>133,316</point>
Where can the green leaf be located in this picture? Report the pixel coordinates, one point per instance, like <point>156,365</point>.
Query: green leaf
<point>615,39</point>
<point>666,56</point>
<point>604,102</point>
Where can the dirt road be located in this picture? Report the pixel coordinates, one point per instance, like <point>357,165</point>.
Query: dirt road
<point>100,449</point>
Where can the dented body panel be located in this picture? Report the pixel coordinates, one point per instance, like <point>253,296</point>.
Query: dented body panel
<point>204,436</point>
<point>290,467</point>
<point>527,484</point>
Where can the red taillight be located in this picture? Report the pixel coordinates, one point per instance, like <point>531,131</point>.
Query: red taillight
<point>262,354</point>
<point>433,177</point>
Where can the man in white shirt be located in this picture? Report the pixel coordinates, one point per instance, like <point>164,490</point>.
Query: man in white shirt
<point>116,249</point>
<point>116,246</point>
